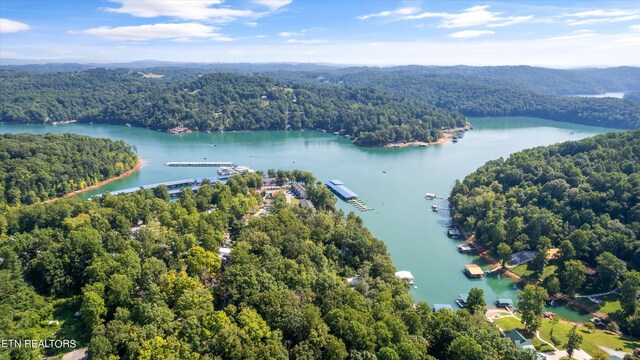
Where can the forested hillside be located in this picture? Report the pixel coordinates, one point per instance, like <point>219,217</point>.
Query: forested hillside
<point>540,80</point>
<point>582,197</point>
<point>160,290</point>
<point>475,97</point>
<point>633,96</point>
<point>216,102</point>
<point>39,167</point>
<point>537,79</point>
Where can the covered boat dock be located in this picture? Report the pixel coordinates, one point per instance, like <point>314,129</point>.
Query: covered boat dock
<point>473,271</point>
<point>339,188</point>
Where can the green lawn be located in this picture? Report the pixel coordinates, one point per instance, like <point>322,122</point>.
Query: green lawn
<point>611,307</point>
<point>610,304</point>
<point>509,323</point>
<point>590,341</point>
<point>523,271</point>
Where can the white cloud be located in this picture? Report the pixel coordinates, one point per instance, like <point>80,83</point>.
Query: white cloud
<point>635,27</point>
<point>178,32</point>
<point>11,26</point>
<point>578,34</point>
<point>288,34</point>
<point>400,11</point>
<point>473,16</point>
<point>598,50</point>
<point>603,13</point>
<point>186,10</point>
<point>469,34</point>
<point>306,42</point>
<point>512,21</point>
<point>251,24</point>
<point>273,4</point>
<point>599,16</point>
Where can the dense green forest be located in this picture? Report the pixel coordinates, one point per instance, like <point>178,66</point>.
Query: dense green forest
<point>582,197</point>
<point>633,96</point>
<point>137,277</point>
<point>217,102</point>
<point>34,168</point>
<point>477,97</point>
<point>537,79</point>
<point>541,80</point>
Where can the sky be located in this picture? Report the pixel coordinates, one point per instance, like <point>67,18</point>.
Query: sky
<point>559,34</point>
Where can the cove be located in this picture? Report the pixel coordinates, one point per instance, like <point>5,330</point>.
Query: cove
<point>393,181</point>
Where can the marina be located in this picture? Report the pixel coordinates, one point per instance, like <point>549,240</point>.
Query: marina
<point>198,163</point>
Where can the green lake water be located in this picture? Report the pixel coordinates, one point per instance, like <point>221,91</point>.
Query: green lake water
<point>391,180</point>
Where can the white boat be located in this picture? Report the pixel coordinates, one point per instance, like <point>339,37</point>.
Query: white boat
<point>430,196</point>
<point>434,207</point>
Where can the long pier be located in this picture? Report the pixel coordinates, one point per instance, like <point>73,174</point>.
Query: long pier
<point>199,163</point>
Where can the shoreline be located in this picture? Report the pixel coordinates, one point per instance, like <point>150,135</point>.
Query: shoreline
<point>139,164</point>
<point>446,135</point>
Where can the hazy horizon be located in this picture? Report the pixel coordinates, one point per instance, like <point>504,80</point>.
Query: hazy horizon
<point>347,33</point>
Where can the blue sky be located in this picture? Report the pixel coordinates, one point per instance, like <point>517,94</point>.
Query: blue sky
<point>382,32</point>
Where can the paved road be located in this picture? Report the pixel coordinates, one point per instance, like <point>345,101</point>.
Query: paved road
<point>80,354</point>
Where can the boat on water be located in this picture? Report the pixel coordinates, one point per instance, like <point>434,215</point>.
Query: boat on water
<point>454,139</point>
<point>435,207</point>
<point>430,196</point>
<point>225,172</point>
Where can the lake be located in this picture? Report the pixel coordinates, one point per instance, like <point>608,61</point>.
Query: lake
<point>393,181</point>
<point>617,95</point>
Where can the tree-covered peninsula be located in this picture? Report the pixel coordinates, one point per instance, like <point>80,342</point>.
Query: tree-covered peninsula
<point>475,96</point>
<point>219,102</point>
<point>576,204</point>
<point>138,277</point>
<point>34,168</point>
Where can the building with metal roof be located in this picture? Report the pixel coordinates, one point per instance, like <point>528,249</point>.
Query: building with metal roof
<point>171,184</point>
<point>341,190</point>
<point>519,340</point>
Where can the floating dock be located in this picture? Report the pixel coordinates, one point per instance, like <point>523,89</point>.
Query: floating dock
<point>359,204</point>
<point>199,163</point>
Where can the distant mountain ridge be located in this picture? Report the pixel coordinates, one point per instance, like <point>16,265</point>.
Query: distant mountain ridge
<point>541,80</point>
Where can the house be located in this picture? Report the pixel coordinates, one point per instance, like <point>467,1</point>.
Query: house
<point>521,257</point>
<point>299,191</point>
<point>519,340</point>
<point>304,203</point>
